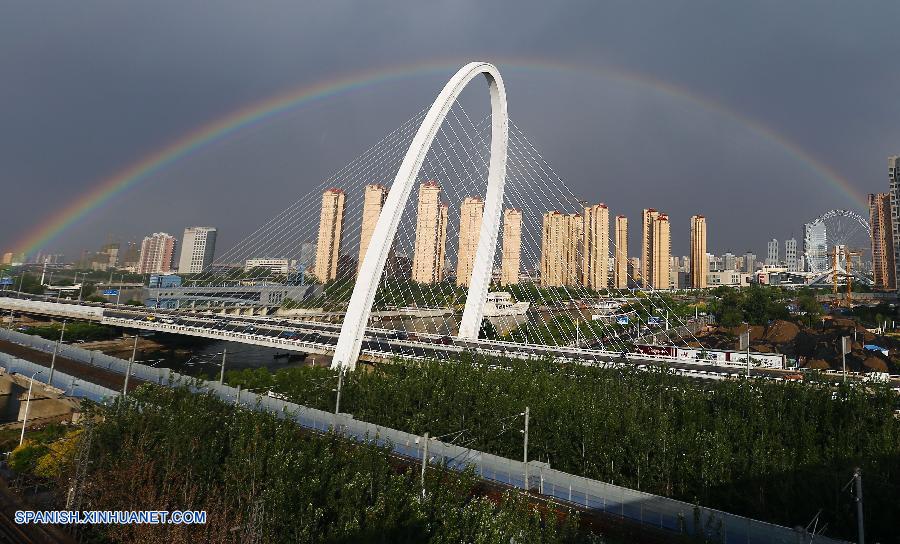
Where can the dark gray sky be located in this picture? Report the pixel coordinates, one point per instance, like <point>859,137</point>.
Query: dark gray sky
<point>86,88</point>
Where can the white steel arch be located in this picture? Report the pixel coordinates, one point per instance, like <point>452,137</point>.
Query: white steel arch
<point>372,267</point>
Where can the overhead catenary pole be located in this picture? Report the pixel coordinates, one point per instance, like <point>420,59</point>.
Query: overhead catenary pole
<point>222,372</point>
<point>424,462</point>
<point>62,332</point>
<point>861,535</point>
<point>337,401</point>
<point>525,449</point>
<point>27,406</point>
<point>845,348</point>
<point>130,362</point>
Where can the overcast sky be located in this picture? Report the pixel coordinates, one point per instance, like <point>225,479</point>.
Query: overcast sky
<point>764,91</point>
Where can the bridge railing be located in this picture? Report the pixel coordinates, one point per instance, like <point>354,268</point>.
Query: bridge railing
<point>637,506</point>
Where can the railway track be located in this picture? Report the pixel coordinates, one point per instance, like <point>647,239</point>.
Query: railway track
<point>99,376</point>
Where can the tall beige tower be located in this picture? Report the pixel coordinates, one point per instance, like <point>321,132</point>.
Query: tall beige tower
<point>595,247</point>
<point>372,203</point>
<point>660,252</point>
<point>331,226</point>
<point>470,214</point>
<point>882,241</point>
<point>511,261</point>
<point>429,251</point>
<point>559,249</point>
<point>647,217</point>
<point>621,252</point>
<point>699,260</point>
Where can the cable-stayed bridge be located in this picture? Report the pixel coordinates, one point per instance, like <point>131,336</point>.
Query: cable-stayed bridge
<point>454,222</point>
<point>378,345</point>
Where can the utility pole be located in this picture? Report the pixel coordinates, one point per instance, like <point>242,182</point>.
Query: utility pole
<point>81,285</point>
<point>130,362</point>
<point>424,462</point>
<point>62,331</point>
<point>861,536</point>
<point>222,373</point>
<point>525,452</point>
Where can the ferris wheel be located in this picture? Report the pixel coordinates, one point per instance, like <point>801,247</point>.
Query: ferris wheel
<point>838,240</point>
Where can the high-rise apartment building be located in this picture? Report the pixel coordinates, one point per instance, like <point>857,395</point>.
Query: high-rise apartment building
<point>621,257</point>
<point>511,259</point>
<point>815,248</point>
<point>699,261</point>
<point>559,249</point>
<point>894,179</point>
<point>883,268</point>
<point>634,269</point>
<point>430,249</point>
<point>595,247</point>
<point>790,254</point>
<point>660,252</point>
<point>197,249</point>
<point>157,254</point>
<point>749,263</point>
<point>105,259</point>
<point>772,258</point>
<point>331,230</point>
<point>373,201</point>
<point>470,213</point>
<point>656,249</point>
<point>647,217</point>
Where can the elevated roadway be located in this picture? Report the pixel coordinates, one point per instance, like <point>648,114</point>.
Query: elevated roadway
<point>378,345</point>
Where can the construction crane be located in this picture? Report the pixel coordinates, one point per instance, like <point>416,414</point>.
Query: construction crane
<point>836,253</point>
<point>834,271</point>
<point>849,257</point>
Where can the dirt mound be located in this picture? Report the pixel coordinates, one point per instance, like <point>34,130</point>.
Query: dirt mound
<point>817,364</point>
<point>842,324</point>
<point>782,331</point>
<point>757,332</point>
<point>875,364</point>
<point>864,335</point>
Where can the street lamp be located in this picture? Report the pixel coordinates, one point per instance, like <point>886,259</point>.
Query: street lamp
<point>28,405</point>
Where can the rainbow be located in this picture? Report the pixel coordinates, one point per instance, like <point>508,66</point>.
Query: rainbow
<point>257,113</point>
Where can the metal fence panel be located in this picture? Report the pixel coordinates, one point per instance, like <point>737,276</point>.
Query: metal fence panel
<point>638,506</point>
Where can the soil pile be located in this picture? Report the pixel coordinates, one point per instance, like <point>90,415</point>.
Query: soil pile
<point>814,347</point>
